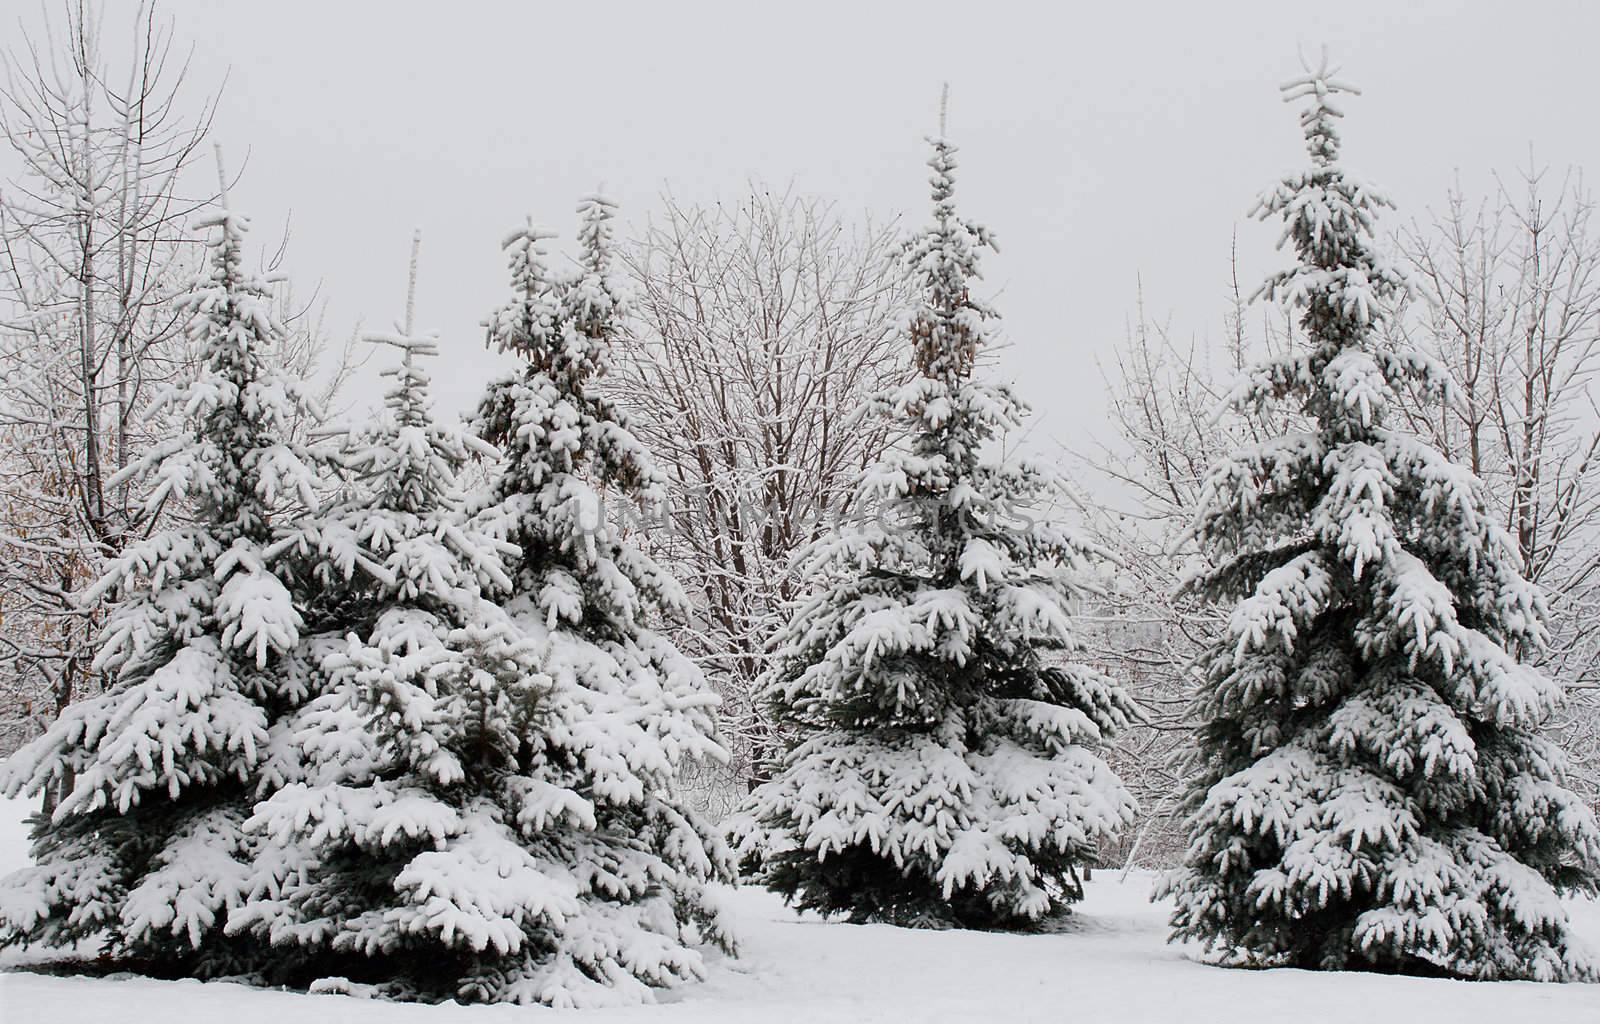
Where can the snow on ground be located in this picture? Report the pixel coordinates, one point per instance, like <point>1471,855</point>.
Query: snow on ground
<point>1111,965</point>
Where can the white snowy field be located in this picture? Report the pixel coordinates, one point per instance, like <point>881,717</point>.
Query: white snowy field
<point>1112,965</point>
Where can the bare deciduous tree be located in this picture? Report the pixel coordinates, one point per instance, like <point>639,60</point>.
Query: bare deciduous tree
<point>92,230</point>
<point>1511,306</point>
<point>759,329</point>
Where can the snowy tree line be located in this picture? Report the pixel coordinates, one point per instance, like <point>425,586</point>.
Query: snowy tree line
<point>430,711</point>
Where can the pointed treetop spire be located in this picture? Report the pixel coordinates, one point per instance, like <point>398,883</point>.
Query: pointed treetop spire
<point>593,300</point>
<point>944,106</point>
<point>411,284</point>
<point>222,175</point>
<point>1342,276</point>
<point>409,398</point>
<point>947,331</point>
<point>595,213</point>
<point>1320,82</point>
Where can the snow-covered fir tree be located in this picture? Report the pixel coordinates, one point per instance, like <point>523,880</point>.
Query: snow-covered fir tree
<point>145,848</point>
<point>394,857</point>
<point>1374,793</point>
<point>511,833</point>
<point>944,772</point>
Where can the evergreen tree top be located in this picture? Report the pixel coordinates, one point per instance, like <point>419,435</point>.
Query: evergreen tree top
<point>240,461</point>
<point>407,458</point>
<point>948,327</point>
<point>408,399</point>
<point>566,444</point>
<point>1352,495</point>
<point>238,467</point>
<point>949,416</point>
<point>400,523</point>
<point>1341,281</point>
<point>549,421</point>
<point>561,326</point>
<point>963,576</point>
<point>1321,84</point>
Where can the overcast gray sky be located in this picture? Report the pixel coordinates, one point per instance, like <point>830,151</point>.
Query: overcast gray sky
<point>1100,141</point>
